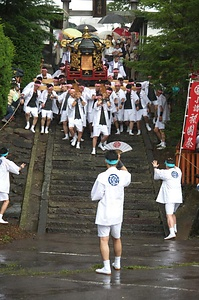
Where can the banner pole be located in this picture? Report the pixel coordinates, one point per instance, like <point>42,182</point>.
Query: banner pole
<point>185,116</point>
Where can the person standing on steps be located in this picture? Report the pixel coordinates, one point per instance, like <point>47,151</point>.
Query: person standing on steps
<point>109,190</point>
<point>6,167</point>
<point>170,192</point>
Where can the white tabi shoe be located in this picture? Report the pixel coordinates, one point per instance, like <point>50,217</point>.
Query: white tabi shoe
<point>103,271</point>
<point>148,127</point>
<point>2,221</point>
<point>170,236</point>
<point>27,126</point>
<point>116,267</point>
<point>93,151</point>
<point>73,142</point>
<point>101,147</point>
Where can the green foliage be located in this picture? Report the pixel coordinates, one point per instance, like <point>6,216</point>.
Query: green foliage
<point>121,5</point>
<point>22,21</point>
<point>173,54</point>
<point>7,52</point>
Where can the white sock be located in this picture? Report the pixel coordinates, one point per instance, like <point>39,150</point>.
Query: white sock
<point>42,127</point>
<point>66,135</point>
<point>117,260</point>
<point>172,230</point>
<point>175,227</point>
<point>107,264</point>
<point>1,216</point>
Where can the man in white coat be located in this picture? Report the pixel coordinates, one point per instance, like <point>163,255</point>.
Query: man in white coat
<point>170,192</point>
<point>6,167</point>
<point>30,98</point>
<point>109,190</point>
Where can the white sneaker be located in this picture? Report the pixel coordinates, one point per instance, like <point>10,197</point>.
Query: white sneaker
<point>93,151</point>
<point>158,145</point>
<point>139,132</point>
<point>78,145</point>
<point>46,130</point>
<point>27,126</point>
<point>170,236</point>
<point>32,129</point>
<point>74,140</point>
<point>130,132</point>
<point>161,147</point>
<point>2,221</point>
<point>65,138</point>
<point>101,147</point>
<point>103,271</point>
<point>148,127</point>
<point>42,130</point>
<point>116,267</point>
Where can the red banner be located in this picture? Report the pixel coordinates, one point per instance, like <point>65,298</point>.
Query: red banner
<point>192,118</point>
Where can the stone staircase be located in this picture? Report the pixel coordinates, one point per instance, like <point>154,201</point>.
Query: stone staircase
<point>73,172</point>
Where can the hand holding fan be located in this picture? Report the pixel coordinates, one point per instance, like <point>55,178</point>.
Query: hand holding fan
<point>119,146</point>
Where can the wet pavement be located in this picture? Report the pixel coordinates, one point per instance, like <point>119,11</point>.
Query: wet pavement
<point>58,266</point>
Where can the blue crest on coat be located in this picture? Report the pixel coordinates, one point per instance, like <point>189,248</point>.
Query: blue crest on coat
<point>174,174</point>
<point>113,179</point>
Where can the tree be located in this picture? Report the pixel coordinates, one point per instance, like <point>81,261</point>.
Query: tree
<point>7,53</point>
<point>118,5</point>
<point>173,54</point>
<point>25,23</point>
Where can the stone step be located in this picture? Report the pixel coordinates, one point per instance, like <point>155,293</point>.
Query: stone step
<point>136,230</point>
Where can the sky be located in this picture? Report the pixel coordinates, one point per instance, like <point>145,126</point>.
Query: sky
<point>80,5</point>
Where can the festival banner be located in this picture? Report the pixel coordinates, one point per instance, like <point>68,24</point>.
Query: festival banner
<point>192,119</point>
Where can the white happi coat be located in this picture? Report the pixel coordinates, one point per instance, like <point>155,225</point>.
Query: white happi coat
<point>109,190</point>
<point>97,113</point>
<point>43,99</point>
<point>170,190</point>
<point>28,92</point>
<point>71,109</point>
<point>120,96</point>
<point>6,166</point>
<point>162,105</point>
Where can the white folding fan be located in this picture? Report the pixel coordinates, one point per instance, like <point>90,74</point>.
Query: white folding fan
<point>119,146</point>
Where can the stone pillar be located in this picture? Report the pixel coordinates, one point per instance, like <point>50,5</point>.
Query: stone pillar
<point>134,4</point>
<point>65,13</point>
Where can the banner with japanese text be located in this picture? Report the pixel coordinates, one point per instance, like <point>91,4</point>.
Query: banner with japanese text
<point>192,119</point>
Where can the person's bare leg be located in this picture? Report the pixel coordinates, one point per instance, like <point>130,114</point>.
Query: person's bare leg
<point>4,206</point>
<point>117,244</point>
<point>104,247</point>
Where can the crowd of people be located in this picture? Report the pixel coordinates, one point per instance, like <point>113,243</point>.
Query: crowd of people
<point>115,104</point>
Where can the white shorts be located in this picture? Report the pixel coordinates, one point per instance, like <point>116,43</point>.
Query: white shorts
<point>46,114</point>
<point>129,115</point>
<point>4,196</point>
<point>64,116</point>
<point>160,125</point>
<point>114,230</point>
<point>100,129</point>
<point>76,123</point>
<point>31,110</point>
<point>145,112</point>
<point>171,208</point>
<point>90,117</point>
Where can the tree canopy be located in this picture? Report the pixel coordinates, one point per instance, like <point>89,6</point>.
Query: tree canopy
<point>27,24</point>
<point>173,53</point>
<point>120,5</point>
